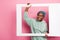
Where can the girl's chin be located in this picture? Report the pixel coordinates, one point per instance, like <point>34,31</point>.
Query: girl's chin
<point>39,20</point>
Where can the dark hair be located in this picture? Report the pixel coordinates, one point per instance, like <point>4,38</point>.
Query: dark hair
<point>41,12</point>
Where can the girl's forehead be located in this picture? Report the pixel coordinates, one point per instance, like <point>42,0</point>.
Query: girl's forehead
<point>41,14</point>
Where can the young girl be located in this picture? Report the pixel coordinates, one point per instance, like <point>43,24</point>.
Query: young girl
<point>37,25</point>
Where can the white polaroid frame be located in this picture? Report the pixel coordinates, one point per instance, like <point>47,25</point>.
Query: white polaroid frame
<point>52,19</point>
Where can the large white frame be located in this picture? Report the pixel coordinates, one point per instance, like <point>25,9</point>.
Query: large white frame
<point>51,21</point>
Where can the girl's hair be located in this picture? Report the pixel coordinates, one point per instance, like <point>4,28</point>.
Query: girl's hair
<point>41,12</point>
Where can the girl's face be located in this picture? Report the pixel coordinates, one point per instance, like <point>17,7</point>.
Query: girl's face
<point>40,17</point>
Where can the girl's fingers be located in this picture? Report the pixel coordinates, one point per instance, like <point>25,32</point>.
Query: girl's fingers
<point>28,3</point>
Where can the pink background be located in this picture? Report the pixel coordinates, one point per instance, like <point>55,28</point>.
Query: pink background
<point>8,18</point>
<point>33,14</point>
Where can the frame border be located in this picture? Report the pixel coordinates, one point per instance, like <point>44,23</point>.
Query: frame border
<point>19,21</point>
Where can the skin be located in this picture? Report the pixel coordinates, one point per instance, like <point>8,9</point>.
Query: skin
<point>40,17</point>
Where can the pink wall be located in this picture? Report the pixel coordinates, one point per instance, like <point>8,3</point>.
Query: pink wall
<point>8,18</point>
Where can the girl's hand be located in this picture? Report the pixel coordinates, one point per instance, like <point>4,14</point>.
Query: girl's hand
<point>27,7</point>
<point>46,34</point>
